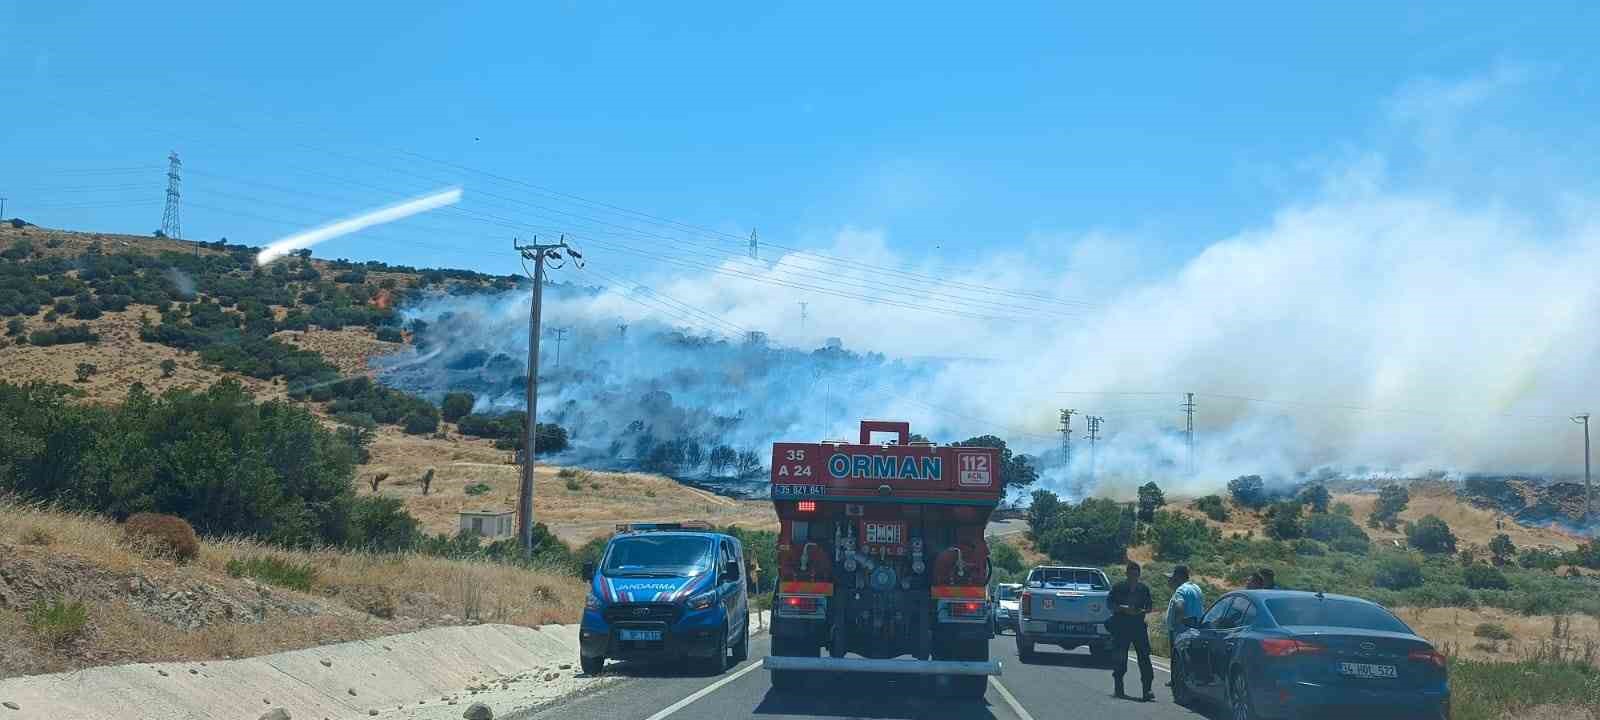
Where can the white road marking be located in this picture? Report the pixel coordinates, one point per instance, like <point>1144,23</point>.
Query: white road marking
<point>1011,700</point>
<point>702,692</point>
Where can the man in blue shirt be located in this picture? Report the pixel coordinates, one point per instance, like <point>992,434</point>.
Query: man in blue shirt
<point>1184,610</point>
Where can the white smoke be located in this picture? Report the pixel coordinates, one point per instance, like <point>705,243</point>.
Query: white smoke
<point>1374,325</point>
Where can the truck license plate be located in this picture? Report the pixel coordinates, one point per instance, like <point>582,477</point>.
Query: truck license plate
<point>639,634</point>
<point>887,533</point>
<point>1077,628</point>
<point>1367,670</point>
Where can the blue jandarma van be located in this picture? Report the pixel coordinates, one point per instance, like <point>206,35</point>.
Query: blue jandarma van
<point>666,591</point>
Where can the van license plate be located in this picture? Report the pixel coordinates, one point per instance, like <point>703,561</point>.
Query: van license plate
<point>651,635</point>
<point>1367,670</point>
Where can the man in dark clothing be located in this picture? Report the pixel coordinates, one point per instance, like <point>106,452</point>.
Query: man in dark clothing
<point>1130,602</point>
<point>1269,579</point>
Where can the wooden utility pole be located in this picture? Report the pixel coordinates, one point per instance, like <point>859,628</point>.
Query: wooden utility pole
<point>538,253</point>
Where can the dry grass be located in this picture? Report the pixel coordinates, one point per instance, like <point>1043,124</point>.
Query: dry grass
<point>573,515</point>
<point>121,359</point>
<point>421,592</point>
<point>1471,525</point>
<point>1453,627</point>
<point>350,349</point>
<point>73,244</point>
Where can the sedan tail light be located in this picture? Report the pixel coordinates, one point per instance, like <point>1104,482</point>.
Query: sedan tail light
<point>1284,647</point>
<point>1429,656</point>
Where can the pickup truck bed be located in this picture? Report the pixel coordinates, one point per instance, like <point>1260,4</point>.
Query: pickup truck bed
<point>1065,607</point>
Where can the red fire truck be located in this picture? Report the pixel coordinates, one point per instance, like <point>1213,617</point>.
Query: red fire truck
<point>881,554</point>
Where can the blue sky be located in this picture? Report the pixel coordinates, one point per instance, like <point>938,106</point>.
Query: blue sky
<point>951,129</point>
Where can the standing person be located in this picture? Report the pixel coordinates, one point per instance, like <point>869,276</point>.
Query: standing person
<point>1183,611</point>
<point>1254,583</point>
<point>1130,601</point>
<point>1269,579</point>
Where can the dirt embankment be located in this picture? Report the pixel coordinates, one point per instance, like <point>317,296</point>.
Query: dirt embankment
<point>143,608</point>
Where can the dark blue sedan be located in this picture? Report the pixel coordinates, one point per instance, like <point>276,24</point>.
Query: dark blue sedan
<point>1288,654</point>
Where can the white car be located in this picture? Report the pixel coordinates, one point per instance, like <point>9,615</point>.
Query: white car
<point>1004,598</point>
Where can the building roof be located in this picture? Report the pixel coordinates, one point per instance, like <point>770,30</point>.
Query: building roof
<point>485,512</point>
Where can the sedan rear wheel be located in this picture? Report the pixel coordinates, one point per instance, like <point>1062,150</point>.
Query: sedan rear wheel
<point>1239,697</point>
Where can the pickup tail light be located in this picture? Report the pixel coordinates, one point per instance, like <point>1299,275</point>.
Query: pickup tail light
<point>1285,647</point>
<point>1429,656</point>
<point>1025,605</point>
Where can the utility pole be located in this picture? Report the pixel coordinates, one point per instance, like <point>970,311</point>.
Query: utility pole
<point>538,253</point>
<point>802,315</point>
<point>2,208</point>
<point>170,226</point>
<point>1188,430</point>
<point>1066,435</point>
<point>1588,491</point>
<point>753,245</point>
<point>561,334</point>
<point>1094,434</point>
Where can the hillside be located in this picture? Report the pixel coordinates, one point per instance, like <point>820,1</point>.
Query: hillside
<point>326,319</point>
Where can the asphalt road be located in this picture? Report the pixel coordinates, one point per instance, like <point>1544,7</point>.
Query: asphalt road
<point>1056,685</point>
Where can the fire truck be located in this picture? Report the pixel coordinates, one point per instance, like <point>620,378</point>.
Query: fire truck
<point>882,559</point>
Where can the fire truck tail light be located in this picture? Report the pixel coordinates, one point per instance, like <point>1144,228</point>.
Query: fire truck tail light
<point>967,608</point>
<point>806,506</point>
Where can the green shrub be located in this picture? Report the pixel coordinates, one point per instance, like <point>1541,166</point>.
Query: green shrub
<point>1431,535</point>
<point>1485,577</point>
<point>1491,631</point>
<point>1490,690</point>
<point>457,405</point>
<point>380,523</point>
<point>1248,491</point>
<point>1213,506</point>
<point>274,570</point>
<point>390,334</point>
<point>477,489</point>
<point>1343,510</point>
<point>1283,521</point>
<point>1178,537</point>
<point>1397,571</point>
<point>1306,546</point>
<point>1005,556</point>
<point>573,484</point>
<point>421,422</point>
<point>58,621</point>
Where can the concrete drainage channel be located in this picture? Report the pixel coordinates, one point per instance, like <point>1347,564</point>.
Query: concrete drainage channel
<point>451,672</point>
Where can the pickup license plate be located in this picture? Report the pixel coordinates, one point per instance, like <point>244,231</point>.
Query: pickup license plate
<point>1077,628</point>
<point>885,533</point>
<point>639,634</point>
<point>1367,670</point>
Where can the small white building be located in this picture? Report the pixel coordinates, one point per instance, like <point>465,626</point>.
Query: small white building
<point>489,524</point>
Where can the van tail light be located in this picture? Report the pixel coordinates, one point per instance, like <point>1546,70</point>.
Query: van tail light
<point>1429,656</point>
<point>1284,647</point>
<point>1025,605</point>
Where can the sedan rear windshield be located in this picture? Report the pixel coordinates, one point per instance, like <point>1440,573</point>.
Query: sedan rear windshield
<point>1080,579</point>
<point>670,555</point>
<point>1333,613</point>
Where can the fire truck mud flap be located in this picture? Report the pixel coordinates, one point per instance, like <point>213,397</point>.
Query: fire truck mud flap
<point>907,667</point>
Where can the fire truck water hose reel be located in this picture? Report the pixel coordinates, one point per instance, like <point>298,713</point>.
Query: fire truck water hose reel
<point>908,667</point>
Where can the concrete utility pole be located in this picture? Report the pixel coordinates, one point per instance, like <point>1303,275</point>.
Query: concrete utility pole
<point>1094,434</point>
<point>1066,435</point>
<point>561,334</point>
<point>1188,430</point>
<point>1588,491</point>
<point>538,253</point>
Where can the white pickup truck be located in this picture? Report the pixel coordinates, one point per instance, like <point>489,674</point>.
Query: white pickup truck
<point>1066,607</point>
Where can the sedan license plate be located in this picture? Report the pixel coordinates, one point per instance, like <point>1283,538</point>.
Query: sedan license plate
<point>1367,670</point>
<point>640,634</point>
